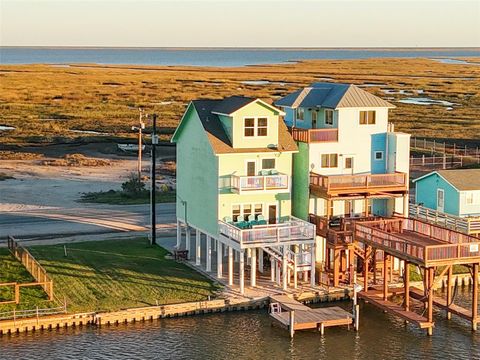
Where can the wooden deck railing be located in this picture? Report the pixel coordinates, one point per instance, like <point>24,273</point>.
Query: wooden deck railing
<point>292,229</point>
<point>32,266</point>
<point>387,235</point>
<point>314,135</point>
<point>334,183</point>
<point>468,225</point>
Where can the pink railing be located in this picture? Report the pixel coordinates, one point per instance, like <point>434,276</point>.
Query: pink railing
<point>314,135</point>
<point>355,182</point>
<point>257,183</point>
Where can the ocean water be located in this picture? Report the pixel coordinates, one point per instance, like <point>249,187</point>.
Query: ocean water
<point>207,56</point>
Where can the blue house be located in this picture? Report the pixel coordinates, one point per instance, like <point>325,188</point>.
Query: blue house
<point>454,192</point>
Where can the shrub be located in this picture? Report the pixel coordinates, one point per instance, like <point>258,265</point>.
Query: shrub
<point>133,186</point>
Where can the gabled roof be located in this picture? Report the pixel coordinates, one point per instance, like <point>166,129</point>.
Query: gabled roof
<point>461,179</point>
<point>333,96</point>
<point>220,142</point>
<point>231,104</point>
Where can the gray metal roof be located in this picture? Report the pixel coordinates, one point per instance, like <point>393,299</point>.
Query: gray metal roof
<point>332,95</point>
<point>231,104</point>
<point>218,138</point>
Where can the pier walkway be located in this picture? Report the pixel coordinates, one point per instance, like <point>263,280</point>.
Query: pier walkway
<point>293,315</point>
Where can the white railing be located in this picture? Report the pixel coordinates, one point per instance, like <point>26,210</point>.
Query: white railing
<point>467,225</point>
<point>290,230</point>
<point>260,183</point>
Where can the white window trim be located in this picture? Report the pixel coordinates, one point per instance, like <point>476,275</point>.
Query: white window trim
<point>325,117</point>
<point>268,158</point>
<point>375,155</point>
<point>252,206</point>
<point>255,127</point>
<point>330,167</point>
<point>367,111</point>
<point>470,196</point>
<point>296,112</point>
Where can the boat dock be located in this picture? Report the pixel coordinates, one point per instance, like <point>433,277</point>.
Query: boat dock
<point>293,315</point>
<point>375,297</point>
<point>451,308</point>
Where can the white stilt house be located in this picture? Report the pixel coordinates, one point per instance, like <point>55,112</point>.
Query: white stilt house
<point>234,176</point>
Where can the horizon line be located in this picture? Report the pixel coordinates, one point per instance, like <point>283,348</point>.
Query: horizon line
<point>244,47</point>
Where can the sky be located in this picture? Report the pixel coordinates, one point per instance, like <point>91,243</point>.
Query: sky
<point>240,23</point>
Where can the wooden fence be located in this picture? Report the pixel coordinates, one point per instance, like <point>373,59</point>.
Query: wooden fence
<point>434,146</point>
<point>433,162</point>
<point>32,266</point>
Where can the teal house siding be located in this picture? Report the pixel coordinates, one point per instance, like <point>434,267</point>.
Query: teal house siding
<point>426,193</point>
<point>378,144</point>
<point>197,199</point>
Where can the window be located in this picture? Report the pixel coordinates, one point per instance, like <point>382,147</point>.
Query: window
<point>249,127</point>
<point>268,164</point>
<point>469,198</point>
<point>348,162</point>
<point>328,117</point>
<point>262,128</point>
<point>235,212</point>
<point>329,160</point>
<point>378,155</point>
<point>247,211</point>
<point>255,127</point>
<point>258,209</point>
<point>367,117</point>
<point>300,114</point>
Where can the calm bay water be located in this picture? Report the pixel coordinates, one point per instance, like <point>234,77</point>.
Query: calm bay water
<point>206,57</point>
<point>249,335</point>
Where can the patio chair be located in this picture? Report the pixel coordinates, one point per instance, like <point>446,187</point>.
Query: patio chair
<point>228,220</point>
<point>273,172</point>
<point>241,223</point>
<point>264,172</point>
<point>261,220</point>
<point>251,220</point>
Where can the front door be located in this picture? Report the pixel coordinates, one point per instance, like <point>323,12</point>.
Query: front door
<point>348,165</point>
<point>348,211</point>
<point>251,168</point>
<point>272,214</point>
<point>440,200</point>
<point>314,119</point>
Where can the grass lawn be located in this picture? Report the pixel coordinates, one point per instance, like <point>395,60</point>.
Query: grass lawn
<point>11,270</point>
<point>116,274</point>
<point>119,198</point>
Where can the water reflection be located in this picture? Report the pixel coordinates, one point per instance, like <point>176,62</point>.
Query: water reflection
<point>249,335</point>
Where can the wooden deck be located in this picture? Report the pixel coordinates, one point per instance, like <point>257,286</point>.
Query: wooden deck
<point>419,242</point>
<point>305,318</point>
<point>375,298</point>
<point>442,303</point>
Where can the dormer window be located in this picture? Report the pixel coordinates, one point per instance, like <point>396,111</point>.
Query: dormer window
<point>328,117</point>
<point>255,127</point>
<point>262,127</point>
<point>300,114</point>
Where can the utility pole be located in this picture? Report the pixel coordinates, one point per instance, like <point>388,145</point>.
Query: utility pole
<point>140,128</point>
<point>153,234</point>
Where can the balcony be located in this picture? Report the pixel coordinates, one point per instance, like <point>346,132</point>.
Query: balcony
<point>243,184</point>
<point>357,184</point>
<point>314,135</point>
<point>289,231</point>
